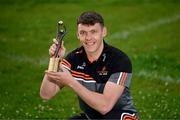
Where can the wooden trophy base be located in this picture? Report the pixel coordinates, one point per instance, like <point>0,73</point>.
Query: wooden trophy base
<point>53,64</point>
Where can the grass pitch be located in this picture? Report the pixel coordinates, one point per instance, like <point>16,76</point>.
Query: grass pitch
<point>148,31</point>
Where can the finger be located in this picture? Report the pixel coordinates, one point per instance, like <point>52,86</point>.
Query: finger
<point>63,68</point>
<point>50,73</point>
<point>51,52</point>
<point>54,46</point>
<point>62,46</point>
<point>52,49</point>
<point>52,77</point>
<point>54,74</point>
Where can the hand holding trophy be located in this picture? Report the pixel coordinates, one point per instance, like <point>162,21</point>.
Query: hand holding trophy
<point>57,50</point>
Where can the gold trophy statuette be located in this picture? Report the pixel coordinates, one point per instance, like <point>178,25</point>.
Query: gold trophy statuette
<point>55,60</point>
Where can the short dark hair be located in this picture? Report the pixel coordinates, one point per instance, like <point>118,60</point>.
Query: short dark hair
<point>90,18</point>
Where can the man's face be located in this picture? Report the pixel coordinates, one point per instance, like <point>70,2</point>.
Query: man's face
<point>91,37</point>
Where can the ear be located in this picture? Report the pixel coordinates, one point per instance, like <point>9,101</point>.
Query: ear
<point>77,34</point>
<point>104,31</point>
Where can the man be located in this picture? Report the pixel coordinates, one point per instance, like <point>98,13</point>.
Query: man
<point>98,73</point>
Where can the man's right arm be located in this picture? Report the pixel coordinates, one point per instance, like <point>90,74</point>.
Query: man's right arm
<point>49,88</point>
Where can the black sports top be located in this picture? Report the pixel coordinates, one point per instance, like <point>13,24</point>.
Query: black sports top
<point>112,66</point>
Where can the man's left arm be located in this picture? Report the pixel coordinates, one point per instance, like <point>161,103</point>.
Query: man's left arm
<point>104,102</point>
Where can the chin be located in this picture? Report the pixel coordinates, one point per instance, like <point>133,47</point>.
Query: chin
<point>90,50</point>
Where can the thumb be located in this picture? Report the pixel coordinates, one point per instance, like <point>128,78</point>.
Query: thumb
<point>63,69</point>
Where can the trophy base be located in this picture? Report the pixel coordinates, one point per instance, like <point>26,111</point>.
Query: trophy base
<point>53,64</point>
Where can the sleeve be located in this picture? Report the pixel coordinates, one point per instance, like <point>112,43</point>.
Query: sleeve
<point>121,71</point>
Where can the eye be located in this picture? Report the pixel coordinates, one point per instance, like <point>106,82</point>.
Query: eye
<point>82,32</point>
<point>93,31</point>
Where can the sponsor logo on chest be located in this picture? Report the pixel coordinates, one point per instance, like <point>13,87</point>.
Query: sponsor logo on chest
<point>103,71</point>
<point>81,67</point>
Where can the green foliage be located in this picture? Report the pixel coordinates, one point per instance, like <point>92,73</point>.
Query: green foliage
<point>147,30</point>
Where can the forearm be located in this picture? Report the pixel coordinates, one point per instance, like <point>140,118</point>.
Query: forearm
<point>48,88</point>
<point>97,101</point>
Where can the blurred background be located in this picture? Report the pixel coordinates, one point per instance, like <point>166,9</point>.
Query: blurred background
<point>147,30</point>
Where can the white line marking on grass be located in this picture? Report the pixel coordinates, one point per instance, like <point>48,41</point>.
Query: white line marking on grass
<point>155,75</point>
<point>154,24</point>
<point>22,58</point>
<point>19,58</point>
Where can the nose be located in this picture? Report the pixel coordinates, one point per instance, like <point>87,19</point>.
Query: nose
<point>88,36</point>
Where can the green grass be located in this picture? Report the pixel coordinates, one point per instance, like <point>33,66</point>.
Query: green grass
<point>26,32</point>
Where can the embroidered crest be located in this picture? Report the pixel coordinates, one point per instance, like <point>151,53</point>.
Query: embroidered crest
<point>103,71</point>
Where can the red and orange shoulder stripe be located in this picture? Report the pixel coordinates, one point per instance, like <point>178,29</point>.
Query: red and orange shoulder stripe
<point>66,64</point>
<point>76,74</point>
<point>82,76</point>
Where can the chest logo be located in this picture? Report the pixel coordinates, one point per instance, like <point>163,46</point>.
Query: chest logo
<point>103,71</point>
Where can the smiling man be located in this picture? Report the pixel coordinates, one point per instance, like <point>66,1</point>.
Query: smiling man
<point>98,73</point>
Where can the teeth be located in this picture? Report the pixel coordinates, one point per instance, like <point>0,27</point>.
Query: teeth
<point>90,43</point>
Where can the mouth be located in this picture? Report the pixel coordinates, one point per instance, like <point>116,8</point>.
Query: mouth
<point>90,43</point>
